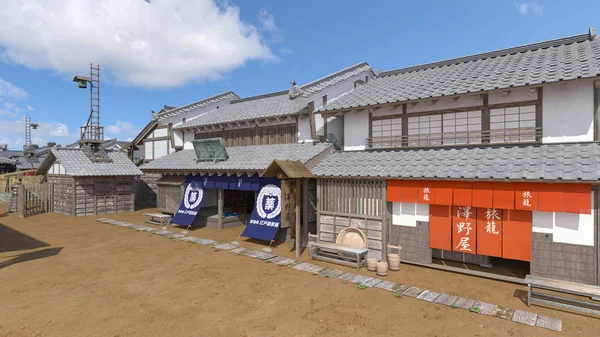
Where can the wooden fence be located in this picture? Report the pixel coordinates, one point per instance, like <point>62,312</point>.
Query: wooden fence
<point>34,199</point>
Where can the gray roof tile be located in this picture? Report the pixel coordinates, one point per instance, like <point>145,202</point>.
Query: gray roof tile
<point>196,105</point>
<point>273,104</point>
<point>77,164</point>
<point>568,161</point>
<point>556,60</point>
<point>250,158</point>
<point>269,105</point>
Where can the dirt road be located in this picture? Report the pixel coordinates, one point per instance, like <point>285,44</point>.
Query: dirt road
<point>63,276</point>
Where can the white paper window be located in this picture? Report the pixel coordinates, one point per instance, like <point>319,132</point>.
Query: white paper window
<point>510,125</point>
<point>425,130</point>
<point>462,127</point>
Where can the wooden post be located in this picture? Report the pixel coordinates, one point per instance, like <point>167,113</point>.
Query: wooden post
<point>220,202</point>
<point>298,239</point>
<point>304,231</point>
<point>21,200</point>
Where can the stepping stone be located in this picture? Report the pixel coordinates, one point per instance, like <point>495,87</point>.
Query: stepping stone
<point>359,279</point>
<point>548,323</point>
<point>163,232</point>
<point>102,219</point>
<point>428,296</point>
<point>238,250</point>
<point>145,229</point>
<point>413,292</point>
<point>450,301</point>
<point>249,252</point>
<point>176,236</point>
<point>504,313</point>
<point>334,274</point>
<point>442,298</point>
<point>385,285</point>
<point>399,288</point>
<point>197,240</point>
<point>311,268</point>
<point>463,303</point>
<point>325,271</point>
<point>347,276</point>
<point>371,282</point>
<point>226,246</point>
<point>485,308</point>
<point>524,317</point>
<point>262,256</point>
<point>283,261</point>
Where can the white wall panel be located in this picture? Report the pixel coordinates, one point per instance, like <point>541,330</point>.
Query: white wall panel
<point>568,111</point>
<point>356,130</point>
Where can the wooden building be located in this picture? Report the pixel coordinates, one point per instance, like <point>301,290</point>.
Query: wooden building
<point>489,161</point>
<point>230,187</point>
<point>81,186</point>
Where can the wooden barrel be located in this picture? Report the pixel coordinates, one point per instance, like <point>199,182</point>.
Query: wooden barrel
<point>382,268</point>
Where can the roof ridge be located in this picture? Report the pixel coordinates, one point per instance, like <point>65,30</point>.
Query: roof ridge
<point>224,94</point>
<point>495,53</point>
<point>327,77</point>
<point>252,98</point>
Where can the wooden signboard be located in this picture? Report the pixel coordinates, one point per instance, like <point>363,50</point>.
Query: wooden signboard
<point>288,205</point>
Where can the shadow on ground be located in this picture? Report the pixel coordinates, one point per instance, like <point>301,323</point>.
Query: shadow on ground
<point>38,254</point>
<point>13,240</point>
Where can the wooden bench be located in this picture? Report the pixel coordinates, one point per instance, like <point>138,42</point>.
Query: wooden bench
<point>565,287</point>
<point>336,253</point>
<point>157,218</point>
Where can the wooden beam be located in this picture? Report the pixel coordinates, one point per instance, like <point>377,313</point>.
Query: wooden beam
<point>413,104</point>
<point>432,102</point>
<point>454,99</point>
<point>298,238</point>
<point>220,202</point>
<point>304,229</point>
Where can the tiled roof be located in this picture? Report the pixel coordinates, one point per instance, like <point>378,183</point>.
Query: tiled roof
<point>556,60</point>
<point>77,164</point>
<point>321,84</point>
<point>567,162</point>
<point>8,161</point>
<point>273,104</point>
<point>196,105</point>
<point>269,105</point>
<point>248,158</point>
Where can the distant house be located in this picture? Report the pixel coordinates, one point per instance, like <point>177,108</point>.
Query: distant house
<point>24,161</point>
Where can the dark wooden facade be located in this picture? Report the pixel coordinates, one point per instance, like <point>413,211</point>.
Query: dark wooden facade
<point>80,196</point>
<point>279,134</point>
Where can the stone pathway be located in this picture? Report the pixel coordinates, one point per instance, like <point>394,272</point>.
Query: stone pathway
<point>475,306</point>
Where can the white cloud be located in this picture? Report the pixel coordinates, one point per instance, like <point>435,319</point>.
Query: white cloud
<point>29,107</point>
<point>158,44</point>
<point>122,130</point>
<point>531,7</point>
<point>11,91</point>
<point>268,26</point>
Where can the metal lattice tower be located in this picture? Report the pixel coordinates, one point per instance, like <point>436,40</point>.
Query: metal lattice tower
<point>27,133</point>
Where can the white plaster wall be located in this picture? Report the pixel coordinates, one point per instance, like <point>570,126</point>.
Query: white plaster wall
<point>356,130</point>
<point>178,136</point>
<point>568,111</point>
<point>304,129</point>
<point>160,148</point>
<point>445,103</point>
<point>334,125</point>
<point>570,228</point>
<point>148,146</point>
<point>161,132</point>
<point>408,213</point>
<point>516,95</point>
<point>333,93</point>
<point>57,168</point>
<point>188,137</point>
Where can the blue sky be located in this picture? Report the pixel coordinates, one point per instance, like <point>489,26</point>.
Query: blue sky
<point>175,52</point>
